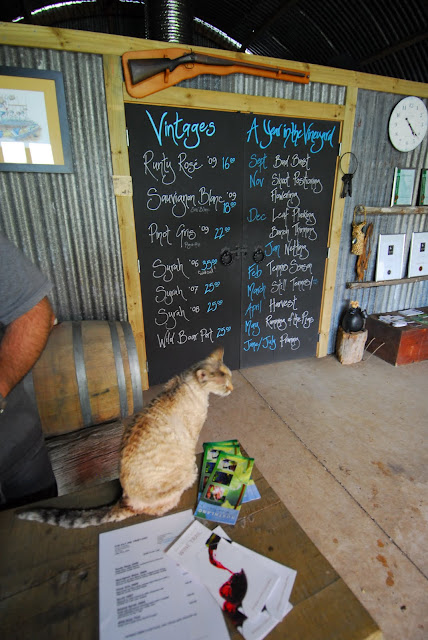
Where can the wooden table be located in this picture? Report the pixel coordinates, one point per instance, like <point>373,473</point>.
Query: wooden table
<point>398,345</point>
<point>49,576</point>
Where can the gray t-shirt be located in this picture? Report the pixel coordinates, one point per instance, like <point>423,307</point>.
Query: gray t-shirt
<point>22,284</point>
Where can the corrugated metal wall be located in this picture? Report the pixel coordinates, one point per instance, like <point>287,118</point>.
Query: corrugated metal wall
<point>372,187</point>
<point>67,223</point>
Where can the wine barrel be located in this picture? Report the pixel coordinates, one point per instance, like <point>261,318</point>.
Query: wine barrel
<point>88,374</point>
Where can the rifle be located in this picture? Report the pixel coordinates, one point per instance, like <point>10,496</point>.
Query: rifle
<point>145,74</point>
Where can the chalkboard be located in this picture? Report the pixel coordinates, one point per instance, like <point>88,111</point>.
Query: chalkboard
<point>290,167</point>
<point>232,214</point>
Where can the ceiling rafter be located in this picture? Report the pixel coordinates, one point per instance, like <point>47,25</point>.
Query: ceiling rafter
<point>377,37</point>
<point>286,4</point>
<point>399,46</point>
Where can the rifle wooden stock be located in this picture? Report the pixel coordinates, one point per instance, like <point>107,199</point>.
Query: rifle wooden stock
<point>146,74</point>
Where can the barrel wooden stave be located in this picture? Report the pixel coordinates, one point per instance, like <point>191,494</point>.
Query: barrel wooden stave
<point>59,380</point>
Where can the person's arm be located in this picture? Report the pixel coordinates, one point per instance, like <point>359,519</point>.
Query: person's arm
<point>22,344</point>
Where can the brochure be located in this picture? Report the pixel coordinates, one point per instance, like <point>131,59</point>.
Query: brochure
<point>277,603</point>
<point>228,573</point>
<point>224,490</point>
<point>252,590</point>
<point>211,453</point>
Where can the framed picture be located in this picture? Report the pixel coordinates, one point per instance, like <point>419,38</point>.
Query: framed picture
<point>418,256</point>
<point>390,254</point>
<point>402,188</point>
<point>34,133</point>
<point>423,191</point>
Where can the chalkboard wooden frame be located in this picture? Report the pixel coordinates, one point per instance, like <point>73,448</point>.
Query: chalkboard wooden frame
<point>263,105</point>
<point>116,97</point>
<point>345,114</point>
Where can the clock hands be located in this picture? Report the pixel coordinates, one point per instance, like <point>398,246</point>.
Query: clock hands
<point>411,128</point>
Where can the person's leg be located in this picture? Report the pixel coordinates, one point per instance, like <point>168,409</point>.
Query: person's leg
<point>25,470</point>
<point>29,479</point>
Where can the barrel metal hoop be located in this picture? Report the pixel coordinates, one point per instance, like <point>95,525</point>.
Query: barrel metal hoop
<point>134,366</point>
<point>120,371</point>
<point>82,380</point>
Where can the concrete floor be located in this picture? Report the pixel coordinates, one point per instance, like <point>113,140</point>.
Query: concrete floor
<point>345,448</point>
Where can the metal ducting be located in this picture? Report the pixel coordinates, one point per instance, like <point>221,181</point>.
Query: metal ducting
<point>170,20</point>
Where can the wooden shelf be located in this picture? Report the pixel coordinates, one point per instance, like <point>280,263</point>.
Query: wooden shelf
<point>388,211</point>
<point>384,283</point>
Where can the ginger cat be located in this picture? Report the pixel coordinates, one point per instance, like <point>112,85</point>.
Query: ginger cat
<point>158,450</point>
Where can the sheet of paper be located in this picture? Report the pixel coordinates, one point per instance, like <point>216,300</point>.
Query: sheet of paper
<point>410,312</point>
<point>277,603</point>
<point>145,595</point>
<point>220,565</point>
<point>390,319</point>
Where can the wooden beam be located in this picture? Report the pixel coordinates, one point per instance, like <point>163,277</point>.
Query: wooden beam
<point>384,283</point>
<point>25,35</point>
<point>202,99</point>
<point>125,209</point>
<point>336,228</point>
<point>361,210</point>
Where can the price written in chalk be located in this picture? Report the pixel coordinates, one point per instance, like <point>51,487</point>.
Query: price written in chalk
<point>214,305</point>
<point>220,232</point>
<point>230,203</point>
<point>207,265</point>
<point>228,206</point>
<point>210,286</point>
<point>221,331</point>
<point>227,162</point>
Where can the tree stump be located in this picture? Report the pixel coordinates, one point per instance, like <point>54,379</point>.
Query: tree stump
<point>350,346</point>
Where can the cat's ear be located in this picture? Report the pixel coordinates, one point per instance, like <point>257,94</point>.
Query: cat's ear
<point>202,375</point>
<point>217,354</point>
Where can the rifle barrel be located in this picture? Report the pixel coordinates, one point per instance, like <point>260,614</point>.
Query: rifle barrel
<point>201,59</point>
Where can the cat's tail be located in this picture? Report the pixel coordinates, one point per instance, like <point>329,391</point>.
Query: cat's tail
<point>78,518</point>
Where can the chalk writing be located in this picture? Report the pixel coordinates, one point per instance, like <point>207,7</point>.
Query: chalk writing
<point>232,216</point>
<point>180,132</point>
<point>167,271</point>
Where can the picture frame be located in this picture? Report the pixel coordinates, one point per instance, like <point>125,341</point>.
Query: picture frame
<point>402,187</point>
<point>390,256</point>
<point>34,133</point>
<point>423,191</point>
<point>418,255</point>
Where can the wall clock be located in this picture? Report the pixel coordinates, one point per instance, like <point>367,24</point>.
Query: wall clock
<point>408,123</point>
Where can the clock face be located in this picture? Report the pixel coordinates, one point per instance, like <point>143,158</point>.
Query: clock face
<point>408,123</point>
